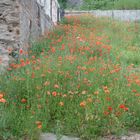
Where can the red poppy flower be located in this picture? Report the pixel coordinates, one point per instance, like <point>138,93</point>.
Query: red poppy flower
<point>54,93</point>
<point>110,108</point>
<point>122,106</point>
<point>21,51</point>
<point>23,100</point>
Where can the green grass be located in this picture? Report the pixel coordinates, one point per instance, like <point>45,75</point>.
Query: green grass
<point>82,80</point>
<point>127,4</point>
<point>109,4</point>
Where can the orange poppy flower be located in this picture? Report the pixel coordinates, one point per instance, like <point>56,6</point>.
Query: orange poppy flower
<point>126,109</point>
<point>110,108</point>
<point>105,87</point>
<point>107,91</point>
<point>122,106</point>
<point>134,90</point>
<point>33,75</point>
<point>21,51</point>
<point>54,93</point>
<point>53,50</point>
<point>137,94</point>
<point>39,124</point>
<point>56,86</point>
<point>106,113</point>
<point>96,92</point>
<point>1,95</point>
<point>2,100</point>
<point>23,100</point>
<point>83,104</point>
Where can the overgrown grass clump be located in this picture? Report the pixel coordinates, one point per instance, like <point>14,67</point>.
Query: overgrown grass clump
<point>82,80</point>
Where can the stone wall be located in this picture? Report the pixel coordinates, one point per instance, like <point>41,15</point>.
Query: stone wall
<point>54,11</point>
<point>22,22</point>
<point>125,15</point>
<point>9,29</point>
<point>33,21</point>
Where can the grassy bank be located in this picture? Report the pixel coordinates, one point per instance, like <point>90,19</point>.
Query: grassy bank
<point>109,4</point>
<point>83,80</point>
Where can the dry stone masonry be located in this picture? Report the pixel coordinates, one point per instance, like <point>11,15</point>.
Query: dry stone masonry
<point>123,15</point>
<point>9,29</point>
<point>23,21</point>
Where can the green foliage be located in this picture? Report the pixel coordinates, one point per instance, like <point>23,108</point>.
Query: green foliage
<point>127,4</point>
<point>62,3</point>
<point>97,4</point>
<point>111,4</point>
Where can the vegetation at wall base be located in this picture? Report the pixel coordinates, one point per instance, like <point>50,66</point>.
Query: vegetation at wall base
<point>82,80</point>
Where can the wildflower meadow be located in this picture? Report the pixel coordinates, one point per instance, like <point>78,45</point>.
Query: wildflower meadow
<point>82,79</point>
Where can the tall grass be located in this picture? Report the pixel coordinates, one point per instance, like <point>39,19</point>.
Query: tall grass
<point>109,4</point>
<point>83,80</point>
